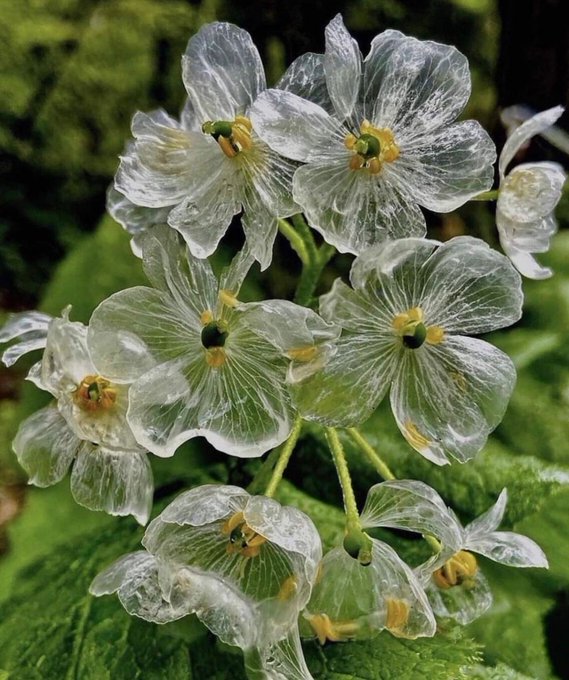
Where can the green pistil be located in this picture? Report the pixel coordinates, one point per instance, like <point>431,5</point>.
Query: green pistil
<point>367,146</point>
<point>415,336</point>
<point>220,128</point>
<point>213,336</point>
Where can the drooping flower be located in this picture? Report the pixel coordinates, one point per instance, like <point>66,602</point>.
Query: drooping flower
<point>243,564</point>
<point>527,198</point>
<point>201,362</point>
<point>86,426</point>
<point>209,166</point>
<point>354,600</point>
<point>405,323</point>
<point>377,135</point>
<point>458,589</point>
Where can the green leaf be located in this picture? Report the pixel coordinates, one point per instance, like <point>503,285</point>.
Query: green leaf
<point>499,672</point>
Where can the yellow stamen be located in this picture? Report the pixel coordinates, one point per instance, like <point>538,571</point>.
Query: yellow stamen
<point>460,569</point>
<point>414,437</point>
<point>288,589</point>
<point>242,539</point>
<point>227,298</point>
<point>397,614</point>
<point>435,335</point>
<point>206,317</point>
<point>95,393</point>
<point>335,631</point>
<point>410,327</point>
<point>303,354</point>
<point>215,357</point>
<point>370,154</point>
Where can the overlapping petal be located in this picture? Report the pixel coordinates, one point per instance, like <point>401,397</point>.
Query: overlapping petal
<point>342,67</point>
<point>463,604</point>
<point>305,77</point>
<point>29,328</point>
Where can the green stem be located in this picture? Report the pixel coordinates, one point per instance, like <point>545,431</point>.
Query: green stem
<point>284,457</point>
<point>307,235</point>
<point>350,505</point>
<point>296,241</point>
<point>311,275</point>
<point>371,454</point>
<point>487,195</point>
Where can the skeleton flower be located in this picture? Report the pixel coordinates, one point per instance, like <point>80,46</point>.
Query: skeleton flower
<point>243,564</point>
<point>210,165</point>
<point>379,138</point>
<point>458,589</point>
<point>201,362</point>
<point>405,323</point>
<point>354,599</point>
<point>527,199</point>
<point>87,426</point>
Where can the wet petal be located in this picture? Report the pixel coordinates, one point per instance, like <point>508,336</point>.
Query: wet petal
<point>525,263</point>
<point>199,506</point>
<point>508,548</point>
<point>45,446</point>
<point>260,226</point>
<point>117,482</point>
<point>31,330</point>
<point>463,603</point>
<point>528,129</point>
<point>343,67</point>
<point>222,71</point>
<point>530,191</point>
<point>447,399</point>
<point>490,520</point>
<point>414,86</point>
<point>280,660</point>
<point>444,169</point>
<point>305,77</point>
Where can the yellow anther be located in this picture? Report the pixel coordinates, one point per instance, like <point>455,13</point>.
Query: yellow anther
<point>414,437</point>
<point>242,539</point>
<point>350,141</point>
<point>435,335</point>
<point>227,298</point>
<point>288,589</point>
<point>232,136</point>
<point>215,357</point>
<point>206,317</point>
<point>374,147</point>
<point>335,631</point>
<point>95,393</point>
<point>460,569</point>
<point>374,166</point>
<point>397,614</point>
<point>411,328</point>
<point>303,354</point>
<point>357,162</point>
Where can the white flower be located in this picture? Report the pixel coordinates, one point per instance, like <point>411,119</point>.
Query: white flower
<point>458,589</point>
<point>210,165</point>
<point>201,362</point>
<point>243,564</point>
<point>378,136</point>
<point>87,426</point>
<point>405,324</point>
<point>527,198</point>
<point>354,600</point>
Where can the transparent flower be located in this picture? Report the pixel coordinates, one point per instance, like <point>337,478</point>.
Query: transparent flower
<point>354,599</point>
<point>405,323</point>
<point>527,199</point>
<point>209,166</point>
<point>458,589</point>
<point>201,362</point>
<point>243,564</point>
<point>87,426</point>
<point>377,135</point>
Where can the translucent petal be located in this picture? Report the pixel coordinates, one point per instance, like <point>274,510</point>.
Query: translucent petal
<point>508,548</point>
<point>466,287</point>
<point>525,263</point>
<point>260,226</point>
<point>31,330</point>
<point>110,579</point>
<point>445,168</point>
<point>280,660</point>
<point>292,126</point>
<point>530,191</point>
<point>34,375</point>
<point>490,520</point>
<point>45,446</point>
<point>525,132</point>
<point>353,209</point>
<point>411,506</point>
<point>222,72</point>
<point>463,603</point>
<point>447,398</point>
<point>117,482</point>
<point>343,67</point>
<point>234,274</point>
<point>154,171</point>
<point>305,77</point>
<point>414,86</point>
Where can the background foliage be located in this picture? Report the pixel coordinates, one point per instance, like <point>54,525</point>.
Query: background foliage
<point>72,73</point>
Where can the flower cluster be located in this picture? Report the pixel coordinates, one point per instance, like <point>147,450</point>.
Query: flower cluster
<point>358,146</point>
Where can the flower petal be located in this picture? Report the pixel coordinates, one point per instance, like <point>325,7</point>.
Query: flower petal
<point>508,548</point>
<point>534,126</point>
<point>260,226</point>
<point>525,263</point>
<point>442,170</point>
<point>490,520</point>
<point>469,288</point>
<point>280,660</point>
<point>411,506</point>
<point>305,77</point>
<point>117,482</point>
<point>31,330</point>
<point>447,399</point>
<point>461,603</point>
<point>222,71</point>
<point>343,67</point>
<point>292,126</point>
<point>45,446</point>
<point>414,86</point>
<point>530,191</point>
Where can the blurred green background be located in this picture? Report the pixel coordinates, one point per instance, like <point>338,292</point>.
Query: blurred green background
<point>73,72</point>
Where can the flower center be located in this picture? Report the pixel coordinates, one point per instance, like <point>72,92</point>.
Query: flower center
<point>413,332</point>
<point>460,569</point>
<point>242,539</point>
<point>373,148</point>
<point>213,337</point>
<point>232,136</point>
<point>335,631</point>
<point>95,393</point>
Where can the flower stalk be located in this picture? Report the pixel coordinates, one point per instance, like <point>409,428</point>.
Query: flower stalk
<point>284,457</point>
